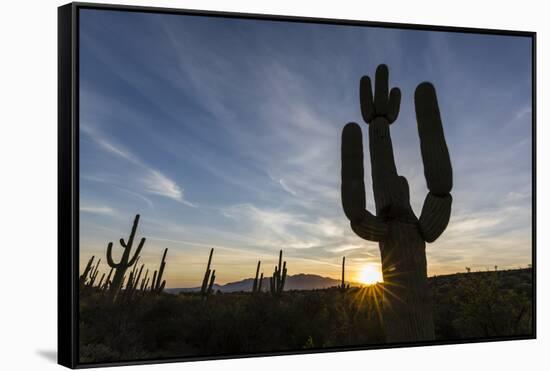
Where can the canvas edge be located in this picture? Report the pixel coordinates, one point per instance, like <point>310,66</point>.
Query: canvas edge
<point>67,192</point>
<point>301,19</point>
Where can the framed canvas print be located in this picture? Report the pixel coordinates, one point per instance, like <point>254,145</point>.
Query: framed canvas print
<point>236,185</point>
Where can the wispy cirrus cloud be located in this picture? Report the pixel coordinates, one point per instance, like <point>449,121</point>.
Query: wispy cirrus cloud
<point>151,180</point>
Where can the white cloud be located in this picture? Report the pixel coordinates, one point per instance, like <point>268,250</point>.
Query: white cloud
<point>346,247</point>
<point>278,228</point>
<point>116,150</point>
<point>157,183</point>
<point>97,209</point>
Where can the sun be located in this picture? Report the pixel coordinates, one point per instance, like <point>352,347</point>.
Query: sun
<point>370,274</point>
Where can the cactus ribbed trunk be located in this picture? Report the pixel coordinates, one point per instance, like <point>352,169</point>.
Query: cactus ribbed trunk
<point>407,303</point>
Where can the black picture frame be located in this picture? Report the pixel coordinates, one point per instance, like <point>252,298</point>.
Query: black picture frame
<point>68,170</point>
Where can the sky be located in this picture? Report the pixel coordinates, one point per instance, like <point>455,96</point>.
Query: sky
<point>225,133</point>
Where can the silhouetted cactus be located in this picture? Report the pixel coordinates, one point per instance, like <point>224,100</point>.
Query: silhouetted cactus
<point>257,285</point>
<point>144,281</point>
<point>125,261</point>
<point>260,282</point>
<point>343,287</point>
<point>93,274</point>
<point>100,284</point>
<point>211,285</point>
<point>134,282</point>
<point>157,286</point>
<point>107,282</point>
<point>209,277</point>
<point>132,277</point>
<point>401,235</point>
<point>84,276</point>
<point>277,281</point>
<point>92,279</point>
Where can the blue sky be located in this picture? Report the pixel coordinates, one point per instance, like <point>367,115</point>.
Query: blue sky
<point>225,133</point>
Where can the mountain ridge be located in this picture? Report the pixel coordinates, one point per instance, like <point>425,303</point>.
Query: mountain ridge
<point>301,281</point>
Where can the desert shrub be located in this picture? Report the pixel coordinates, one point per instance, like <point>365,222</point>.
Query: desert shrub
<point>470,305</point>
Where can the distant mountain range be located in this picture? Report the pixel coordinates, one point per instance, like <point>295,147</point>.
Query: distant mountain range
<point>297,282</point>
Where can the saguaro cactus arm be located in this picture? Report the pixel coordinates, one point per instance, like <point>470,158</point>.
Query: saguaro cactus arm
<point>365,224</point>
<point>435,155</point>
<point>438,171</point>
<point>110,260</point>
<point>435,216</point>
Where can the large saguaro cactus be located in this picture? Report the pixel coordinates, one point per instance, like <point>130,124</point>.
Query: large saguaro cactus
<point>125,261</point>
<point>402,237</point>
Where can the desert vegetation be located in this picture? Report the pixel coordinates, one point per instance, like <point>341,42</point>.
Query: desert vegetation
<point>138,319</point>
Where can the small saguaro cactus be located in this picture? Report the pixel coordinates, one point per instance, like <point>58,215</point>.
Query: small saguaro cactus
<point>125,261</point>
<point>211,284</point>
<point>84,276</point>
<point>402,237</point>
<point>209,277</point>
<point>135,277</point>
<point>277,281</point>
<point>157,286</point>
<point>100,284</point>
<point>93,274</point>
<point>343,287</point>
<point>107,282</point>
<point>260,282</point>
<point>257,285</point>
<point>132,276</point>
<point>143,285</point>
